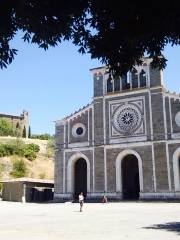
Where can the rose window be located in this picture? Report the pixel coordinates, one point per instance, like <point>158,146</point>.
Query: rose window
<point>127,119</point>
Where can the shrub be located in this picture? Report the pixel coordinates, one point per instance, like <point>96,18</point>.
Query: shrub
<point>19,148</point>
<point>29,154</point>
<point>44,136</point>
<point>19,169</point>
<point>33,147</point>
<point>5,128</point>
<point>2,150</point>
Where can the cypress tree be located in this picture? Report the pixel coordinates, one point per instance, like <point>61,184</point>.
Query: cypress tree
<point>29,132</point>
<point>24,132</point>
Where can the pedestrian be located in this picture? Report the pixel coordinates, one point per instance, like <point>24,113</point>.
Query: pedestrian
<point>104,199</point>
<point>81,201</point>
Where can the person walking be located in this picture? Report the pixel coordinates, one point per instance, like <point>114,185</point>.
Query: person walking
<point>81,201</point>
<point>104,199</point>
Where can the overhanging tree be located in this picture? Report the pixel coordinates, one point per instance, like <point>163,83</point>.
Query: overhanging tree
<point>118,33</point>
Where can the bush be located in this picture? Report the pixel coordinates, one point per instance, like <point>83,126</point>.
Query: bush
<point>19,169</point>
<point>2,151</point>
<point>29,154</point>
<point>33,147</point>
<point>44,136</point>
<point>5,128</point>
<point>19,148</point>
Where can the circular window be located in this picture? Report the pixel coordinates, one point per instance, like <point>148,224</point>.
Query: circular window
<point>127,119</point>
<point>78,130</point>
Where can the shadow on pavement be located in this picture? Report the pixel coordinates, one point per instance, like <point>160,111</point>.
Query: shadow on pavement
<point>170,226</point>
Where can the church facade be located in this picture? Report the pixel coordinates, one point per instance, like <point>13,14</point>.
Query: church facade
<point>125,144</point>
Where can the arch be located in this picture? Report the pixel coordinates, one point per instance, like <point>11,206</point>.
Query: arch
<point>110,84</point>
<point>119,159</point>
<point>142,77</point>
<point>134,78</point>
<point>176,166</point>
<point>70,171</point>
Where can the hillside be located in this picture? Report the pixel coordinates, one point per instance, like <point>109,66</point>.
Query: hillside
<point>41,167</point>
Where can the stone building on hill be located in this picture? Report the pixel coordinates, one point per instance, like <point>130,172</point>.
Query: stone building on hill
<point>125,144</point>
<point>18,122</point>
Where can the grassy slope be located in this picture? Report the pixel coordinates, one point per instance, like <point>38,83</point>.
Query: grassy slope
<point>41,167</point>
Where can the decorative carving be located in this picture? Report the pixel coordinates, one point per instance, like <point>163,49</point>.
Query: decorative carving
<point>127,119</point>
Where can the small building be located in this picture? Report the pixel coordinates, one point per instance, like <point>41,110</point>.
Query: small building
<point>27,190</point>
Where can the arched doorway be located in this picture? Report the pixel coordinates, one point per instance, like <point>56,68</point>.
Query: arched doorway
<point>80,177</point>
<point>176,169</point>
<point>130,177</point>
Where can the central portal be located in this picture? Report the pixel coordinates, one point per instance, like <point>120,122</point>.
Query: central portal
<point>130,178</point>
<point>80,183</point>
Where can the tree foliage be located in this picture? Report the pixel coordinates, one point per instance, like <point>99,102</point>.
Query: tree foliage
<point>24,132</point>
<point>118,33</point>
<point>29,132</point>
<point>44,136</point>
<point>19,148</point>
<point>6,128</point>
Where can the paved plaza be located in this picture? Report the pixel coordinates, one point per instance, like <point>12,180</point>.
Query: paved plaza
<point>111,221</point>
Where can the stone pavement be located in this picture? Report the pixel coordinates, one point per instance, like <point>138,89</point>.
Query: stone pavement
<point>111,221</point>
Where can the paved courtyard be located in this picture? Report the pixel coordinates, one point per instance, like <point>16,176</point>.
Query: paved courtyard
<point>111,221</point>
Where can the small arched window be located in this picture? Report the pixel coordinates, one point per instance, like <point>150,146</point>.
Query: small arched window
<point>142,78</point>
<point>134,78</point>
<point>117,83</point>
<point>109,84</point>
<point>125,83</point>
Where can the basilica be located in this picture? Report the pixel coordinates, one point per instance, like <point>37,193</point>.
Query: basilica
<point>125,143</point>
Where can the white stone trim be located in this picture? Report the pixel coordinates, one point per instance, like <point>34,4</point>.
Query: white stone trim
<point>93,172</point>
<point>105,170</point>
<point>127,139</point>
<point>159,195</point>
<point>93,125</point>
<point>104,120</point>
<point>176,157</point>
<point>79,149</point>
<point>64,135</point>
<point>170,114</point>
<point>128,145</point>
<point>134,91</point>
<point>68,132</point>
<point>119,160</point>
<point>64,172</point>
<point>173,141</point>
<point>88,127</point>
<point>62,195</point>
<point>78,144</point>
<point>154,169</point>
<point>150,115</point>
<point>70,171</point>
<point>101,194</point>
<point>168,167</point>
<point>79,113</point>
<point>176,135</point>
<point>164,115</point>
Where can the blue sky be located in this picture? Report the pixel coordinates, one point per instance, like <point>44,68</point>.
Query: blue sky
<point>57,82</point>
